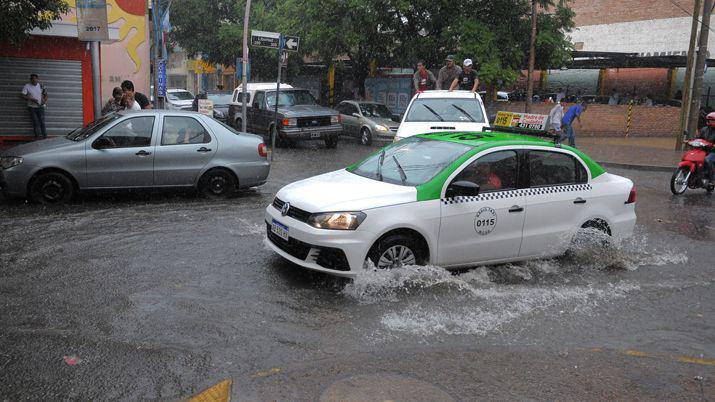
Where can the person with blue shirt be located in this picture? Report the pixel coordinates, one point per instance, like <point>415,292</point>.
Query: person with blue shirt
<point>573,113</point>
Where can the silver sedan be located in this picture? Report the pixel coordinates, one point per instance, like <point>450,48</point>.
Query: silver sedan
<point>142,149</point>
<point>368,121</point>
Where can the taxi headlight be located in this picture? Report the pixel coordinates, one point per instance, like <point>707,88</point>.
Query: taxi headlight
<point>380,127</point>
<point>337,220</point>
<point>6,162</point>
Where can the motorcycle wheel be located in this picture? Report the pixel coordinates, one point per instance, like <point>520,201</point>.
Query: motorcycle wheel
<point>679,181</point>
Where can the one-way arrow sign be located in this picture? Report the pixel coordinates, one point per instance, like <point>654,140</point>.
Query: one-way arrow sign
<point>291,43</point>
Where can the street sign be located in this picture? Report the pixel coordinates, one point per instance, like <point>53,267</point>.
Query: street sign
<point>292,43</point>
<point>161,78</point>
<point>92,20</point>
<point>270,40</point>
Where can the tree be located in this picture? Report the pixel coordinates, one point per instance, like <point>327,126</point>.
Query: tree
<point>19,17</point>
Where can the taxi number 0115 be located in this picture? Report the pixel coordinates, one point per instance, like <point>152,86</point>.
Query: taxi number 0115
<point>485,221</point>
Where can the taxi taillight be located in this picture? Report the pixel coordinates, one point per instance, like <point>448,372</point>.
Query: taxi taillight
<point>632,196</point>
<point>263,150</point>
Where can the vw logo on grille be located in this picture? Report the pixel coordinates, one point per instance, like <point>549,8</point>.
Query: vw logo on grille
<point>285,208</point>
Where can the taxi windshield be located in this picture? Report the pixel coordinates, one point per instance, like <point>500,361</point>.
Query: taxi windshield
<point>411,162</point>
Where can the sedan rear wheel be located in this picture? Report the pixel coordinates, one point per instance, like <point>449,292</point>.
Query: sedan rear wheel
<point>217,184</point>
<point>52,188</point>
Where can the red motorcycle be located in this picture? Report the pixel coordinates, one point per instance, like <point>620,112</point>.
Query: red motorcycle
<point>691,170</point>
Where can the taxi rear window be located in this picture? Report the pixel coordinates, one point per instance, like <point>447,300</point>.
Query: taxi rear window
<point>411,162</point>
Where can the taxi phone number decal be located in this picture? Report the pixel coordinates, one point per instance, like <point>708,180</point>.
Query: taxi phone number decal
<point>485,221</point>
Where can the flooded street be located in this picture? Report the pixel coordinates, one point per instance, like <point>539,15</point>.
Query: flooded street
<point>162,295</point>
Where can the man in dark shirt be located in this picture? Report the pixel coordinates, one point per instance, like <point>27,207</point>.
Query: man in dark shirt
<point>447,73</point>
<point>128,86</point>
<point>467,80</point>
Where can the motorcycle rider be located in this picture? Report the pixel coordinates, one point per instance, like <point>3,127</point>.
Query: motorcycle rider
<point>708,134</point>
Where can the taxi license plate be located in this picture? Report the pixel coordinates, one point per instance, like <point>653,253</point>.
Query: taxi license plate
<point>314,135</point>
<point>279,229</point>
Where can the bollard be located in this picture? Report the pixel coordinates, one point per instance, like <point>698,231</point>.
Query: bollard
<point>630,114</point>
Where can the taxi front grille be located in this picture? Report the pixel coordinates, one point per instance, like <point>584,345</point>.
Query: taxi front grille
<point>295,248</point>
<point>326,257</point>
<point>293,212</point>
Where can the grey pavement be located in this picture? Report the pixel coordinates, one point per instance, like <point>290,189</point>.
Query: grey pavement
<point>648,153</point>
<point>160,295</point>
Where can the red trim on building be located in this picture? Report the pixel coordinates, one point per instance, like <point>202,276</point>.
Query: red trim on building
<point>58,48</point>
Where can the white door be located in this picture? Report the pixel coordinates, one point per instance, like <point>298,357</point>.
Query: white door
<point>486,227</point>
<point>557,195</point>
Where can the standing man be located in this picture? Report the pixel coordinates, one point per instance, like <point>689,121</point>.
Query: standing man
<point>573,113</point>
<point>448,73</point>
<point>555,116</point>
<point>36,96</point>
<point>140,98</point>
<point>467,80</point>
<point>423,78</point>
<point>614,99</point>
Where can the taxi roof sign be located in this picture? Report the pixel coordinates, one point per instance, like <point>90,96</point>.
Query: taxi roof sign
<point>528,121</point>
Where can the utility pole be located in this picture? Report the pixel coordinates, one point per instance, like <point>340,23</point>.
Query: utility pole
<point>688,81</point>
<point>532,57</point>
<point>694,112</point>
<point>96,93</point>
<point>244,73</point>
<point>155,15</point>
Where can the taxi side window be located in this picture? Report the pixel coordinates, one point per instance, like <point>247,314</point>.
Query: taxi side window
<point>496,171</point>
<point>179,130</point>
<point>554,168</point>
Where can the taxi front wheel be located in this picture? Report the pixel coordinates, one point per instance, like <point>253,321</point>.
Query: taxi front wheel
<point>396,251</point>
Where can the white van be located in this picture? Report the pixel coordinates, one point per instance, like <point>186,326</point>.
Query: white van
<point>236,105</point>
<point>440,111</point>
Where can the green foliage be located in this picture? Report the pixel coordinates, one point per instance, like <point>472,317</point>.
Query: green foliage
<point>18,17</point>
<point>494,33</point>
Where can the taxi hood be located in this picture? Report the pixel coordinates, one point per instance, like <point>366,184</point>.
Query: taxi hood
<point>344,191</point>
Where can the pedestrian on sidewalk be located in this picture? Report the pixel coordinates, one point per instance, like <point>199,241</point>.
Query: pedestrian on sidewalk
<point>423,79</point>
<point>448,73</point>
<point>553,124</point>
<point>614,99</point>
<point>114,103</point>
<point>573,113</point>
<point>128,87</point>
<point>129,102</point>
<point>36,96</point>
<point>467,80</point>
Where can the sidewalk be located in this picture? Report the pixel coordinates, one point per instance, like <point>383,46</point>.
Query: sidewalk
<point>647,153</point>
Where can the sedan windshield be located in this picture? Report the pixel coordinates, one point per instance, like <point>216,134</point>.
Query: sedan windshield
<point>411,162</point>
<point>290,98</point>
<point>375,110</point>
<point>80,134</point>
<point>453,110</point>
<point>220,99</point>
<point>179,95</point>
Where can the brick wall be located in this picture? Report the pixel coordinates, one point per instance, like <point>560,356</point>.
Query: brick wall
<point>595,12</point>
<point>610,121</point>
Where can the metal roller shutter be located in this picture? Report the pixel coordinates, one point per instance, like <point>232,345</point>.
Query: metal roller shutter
<point>63,81</point>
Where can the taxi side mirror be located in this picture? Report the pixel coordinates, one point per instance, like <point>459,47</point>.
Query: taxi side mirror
<point>462,188</point>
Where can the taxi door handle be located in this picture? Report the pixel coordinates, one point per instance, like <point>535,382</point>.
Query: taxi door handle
<point>516,208</point>
<point>579,200</point>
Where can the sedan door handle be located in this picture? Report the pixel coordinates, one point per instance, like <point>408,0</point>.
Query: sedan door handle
<point>143,153</point>
<point>203,149</point>
<point>579,200</point>
<point>516,208</point>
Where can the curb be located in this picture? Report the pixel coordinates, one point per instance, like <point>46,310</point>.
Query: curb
<point>648,168</point>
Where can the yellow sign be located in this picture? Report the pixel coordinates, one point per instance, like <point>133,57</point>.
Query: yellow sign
<point>503,119</point>
<point>521,120</point>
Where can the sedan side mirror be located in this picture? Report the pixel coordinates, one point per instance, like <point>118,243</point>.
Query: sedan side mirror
<point>462,188</point>
<point>356,115</point>
<point>102,143</point>
<point>396,117</point>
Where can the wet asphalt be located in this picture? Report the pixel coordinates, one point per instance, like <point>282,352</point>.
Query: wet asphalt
<point>160,295</point>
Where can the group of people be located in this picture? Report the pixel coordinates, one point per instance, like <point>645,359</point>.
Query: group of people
<point>35,96</point>
<point>561,124</point>
<point>450,76</point>
<point>125,97</point>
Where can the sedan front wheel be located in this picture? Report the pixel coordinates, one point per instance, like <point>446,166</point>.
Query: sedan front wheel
<point>51,188</point>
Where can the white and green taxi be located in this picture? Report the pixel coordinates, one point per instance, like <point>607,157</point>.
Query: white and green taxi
<point>448,199</point>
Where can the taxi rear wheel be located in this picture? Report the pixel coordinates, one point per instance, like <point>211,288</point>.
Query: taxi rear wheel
<point>396,251</point>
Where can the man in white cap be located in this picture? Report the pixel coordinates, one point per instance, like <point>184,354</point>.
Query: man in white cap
<point>467,80</point>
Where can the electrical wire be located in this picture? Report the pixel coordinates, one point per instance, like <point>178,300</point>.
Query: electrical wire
<point>691,15</point>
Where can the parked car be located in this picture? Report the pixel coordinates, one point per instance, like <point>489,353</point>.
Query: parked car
<point>439,111</point>
<point>452,199</point>
<point>179,99</point>
<point>147,148</point>
<point>221,101</point>
<point>299,115</point>
<point>367,121</point>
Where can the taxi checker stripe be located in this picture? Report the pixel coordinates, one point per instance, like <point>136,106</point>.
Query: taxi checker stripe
<point>498,195</point>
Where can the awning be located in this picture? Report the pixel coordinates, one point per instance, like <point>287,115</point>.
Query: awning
<point>598,60</point>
